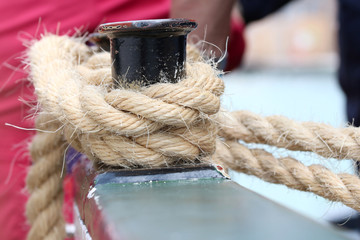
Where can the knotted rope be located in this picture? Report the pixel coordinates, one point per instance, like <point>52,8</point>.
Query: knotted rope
<point>161,125</point>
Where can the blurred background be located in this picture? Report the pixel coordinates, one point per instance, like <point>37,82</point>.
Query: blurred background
<point>301,35</point>
<point>290,68</point>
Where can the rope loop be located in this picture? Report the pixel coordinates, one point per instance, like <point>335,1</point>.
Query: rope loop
<point>149,126</point>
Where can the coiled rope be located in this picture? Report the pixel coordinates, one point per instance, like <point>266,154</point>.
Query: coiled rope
<point>161,125</point>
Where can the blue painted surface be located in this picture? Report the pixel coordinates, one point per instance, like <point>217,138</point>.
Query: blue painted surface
<point>203,209</point>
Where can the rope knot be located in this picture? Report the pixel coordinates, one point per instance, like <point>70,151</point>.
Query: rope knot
<point>149,126</point>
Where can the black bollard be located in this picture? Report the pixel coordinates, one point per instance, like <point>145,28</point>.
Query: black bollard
<point>148,51</point>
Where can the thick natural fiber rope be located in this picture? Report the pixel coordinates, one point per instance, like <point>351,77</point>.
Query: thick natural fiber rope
<point>115,125</point>
<point>290,172</point>
<point>44,182</point>
<point>160,126</point>
<point>282,132</point>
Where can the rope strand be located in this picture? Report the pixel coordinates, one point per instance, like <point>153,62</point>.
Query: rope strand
<point>44,183</point>
<point>290,172</point>
<point>282,132</point>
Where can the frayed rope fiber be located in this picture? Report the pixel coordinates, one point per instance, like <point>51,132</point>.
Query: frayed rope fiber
<point>158,126</point>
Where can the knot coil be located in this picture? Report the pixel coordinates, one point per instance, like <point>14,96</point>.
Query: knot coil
<point>150,126</point>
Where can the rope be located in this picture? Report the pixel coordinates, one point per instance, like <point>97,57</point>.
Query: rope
<point>291,173</point>
<point>115,125</point>
<point>161,125</point>
<point>282,132</point>
<point>44,182</point>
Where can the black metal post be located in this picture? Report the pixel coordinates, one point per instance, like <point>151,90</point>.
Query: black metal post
<point>148,51</point>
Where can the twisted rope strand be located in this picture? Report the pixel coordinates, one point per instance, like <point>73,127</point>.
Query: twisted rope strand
<point>282,132</point>
<point>44,183</point>
<point>291,173</point>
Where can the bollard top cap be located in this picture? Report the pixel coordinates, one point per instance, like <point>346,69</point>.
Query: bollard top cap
<point>156,27</point>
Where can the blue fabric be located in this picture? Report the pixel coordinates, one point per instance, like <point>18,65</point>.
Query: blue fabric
<point>253,10</point>
<point>349,52</point>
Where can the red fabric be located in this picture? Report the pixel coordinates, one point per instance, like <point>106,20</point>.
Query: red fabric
<point>25,20</point>
<point>236,45</point>
<point>20,20</point>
